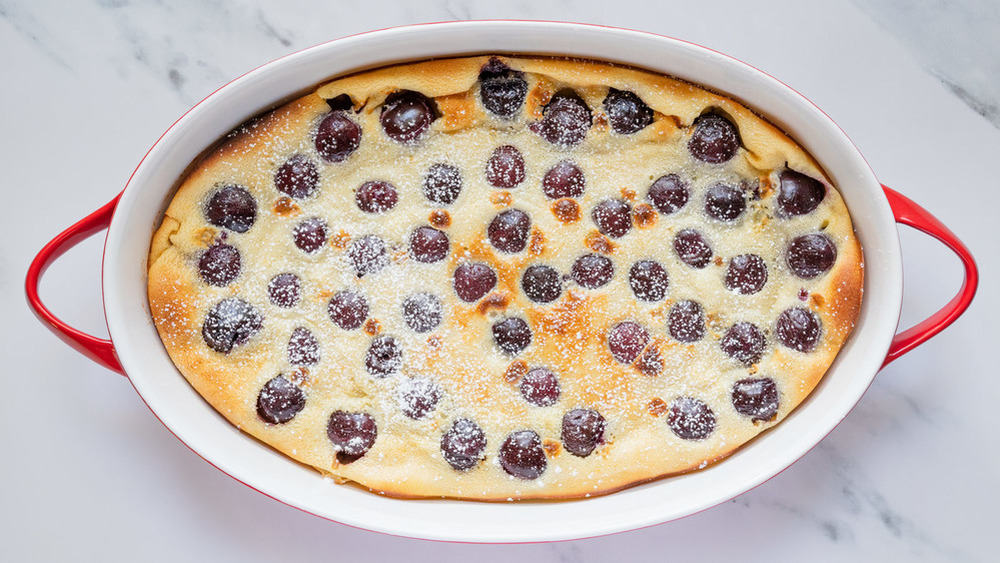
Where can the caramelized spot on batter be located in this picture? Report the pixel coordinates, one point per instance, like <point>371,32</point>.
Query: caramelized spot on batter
<point>440,218</point>
<point>569,315</point>
<point>628,194</point>
<point>713,321</point>
<point>300,376</point>
<point>765,188</point>
<point>286,207</point>
<point>372,327</point>
<point>537,242</point>
<point>817,300</point>
<point>599,243</point>
<point>650,362</point>
<point>434,341</point>
<point>340,239</point>
<point>718,260</point>
<point>644,215</point>
<point>501,199</point>
<point>665,126</point>
<point>552,447</point>
<point>400,255</point>
<point>496,300</point>
<point>566,210</point>
<point>206,236</point>
<point>458,111</point>
<point>657,407</point>
<point>600,122</point>
<point>515,371</point>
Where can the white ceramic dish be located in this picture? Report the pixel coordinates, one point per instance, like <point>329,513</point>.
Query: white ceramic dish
<point>137,346</point>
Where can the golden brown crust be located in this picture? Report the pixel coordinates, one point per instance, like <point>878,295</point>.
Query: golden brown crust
<point>569,335</point>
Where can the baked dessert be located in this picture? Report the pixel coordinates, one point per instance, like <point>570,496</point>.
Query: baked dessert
<point>504,278</point>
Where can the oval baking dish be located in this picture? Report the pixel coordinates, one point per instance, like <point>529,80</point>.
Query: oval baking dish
<point>136,350</point>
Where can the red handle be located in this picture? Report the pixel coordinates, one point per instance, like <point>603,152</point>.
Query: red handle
<point>909,213</point>
<point>97,349</point>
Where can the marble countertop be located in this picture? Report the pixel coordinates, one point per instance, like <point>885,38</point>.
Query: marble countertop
<point>913,473</point>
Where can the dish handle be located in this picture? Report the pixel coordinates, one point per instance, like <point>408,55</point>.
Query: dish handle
<point>97,349</point>
<point>912,215</point>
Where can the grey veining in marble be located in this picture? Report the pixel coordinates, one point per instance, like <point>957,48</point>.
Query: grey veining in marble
<point>957,40</point>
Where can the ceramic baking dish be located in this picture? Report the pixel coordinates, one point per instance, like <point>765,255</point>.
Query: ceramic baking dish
<point>135,348</point>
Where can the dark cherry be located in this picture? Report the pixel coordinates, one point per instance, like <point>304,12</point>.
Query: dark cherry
<point>512,335</point>
<point>582,431</point>
<point>352,434</point>
<point>368,255</point>
<point>522,455</point>
<point>442,184</point>
<point>690,418</point>
<point>219,265</point>
<point>342,102</point>
<point>297,177</point>
<point>747,274</point>
<point>348,309</point>
<point>613,217</point>
<point>798,329</point>
<point>384,357</point>
<point>473,281</point>
<point>542,284</point>
<point>428,244</point>
<point>508,231</point>
<point>668,194</point>
<point>231,322</point>
<point>463,444</point>
<point>756,398</point>
<point>592,271</point>
<point>566,119</point>
<point>501,89</point>
<point>798,194</point>
<point>284,290</point>
<point>626,340</point>
<point>648,280</point>
<point>303,348</point>
<point>505,168</point>
<point>376,197</point>
<point>422,312</point>
<point>686,321</point>
<point>540,387</point>
<point>725,203</point>
<point>232,208</point>
<point>565,179</point>
<point>811,255</point>
<point>337,137</point>
<point>743,342</point>
<point>310,235</point>
<point>692,248</point>
<point>406,115</point>
<point>715,139</point>
<point>627,113</point>
<point>279,401</point>
<point>418,396</point>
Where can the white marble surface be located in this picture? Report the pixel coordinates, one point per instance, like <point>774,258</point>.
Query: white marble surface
<point>89,474</point>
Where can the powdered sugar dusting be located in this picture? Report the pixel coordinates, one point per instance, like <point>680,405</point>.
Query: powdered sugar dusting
<point>415,374</point>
